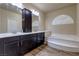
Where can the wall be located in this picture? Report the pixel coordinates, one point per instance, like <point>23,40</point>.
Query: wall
<point>0,21</point>
<point>3,20</point>
<point>61,29</point>
<point>77,19</point>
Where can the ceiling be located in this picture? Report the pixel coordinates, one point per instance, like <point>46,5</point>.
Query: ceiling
<point>47,7</point>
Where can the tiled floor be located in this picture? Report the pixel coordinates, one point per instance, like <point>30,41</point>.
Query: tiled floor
<point>44,50</point>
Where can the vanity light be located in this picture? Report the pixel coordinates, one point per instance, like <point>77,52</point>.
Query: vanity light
<point>19,5</point>
<point>35,12</point>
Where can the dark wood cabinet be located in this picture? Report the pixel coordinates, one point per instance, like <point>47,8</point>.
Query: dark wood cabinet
<point>1,47</point>
<point>11,46</point>
<point>26,20</point>
<point>11,49</point>
<point>40,38</point>
<point>26,43</point>
<point>18,45</point>
<point>31,41</point>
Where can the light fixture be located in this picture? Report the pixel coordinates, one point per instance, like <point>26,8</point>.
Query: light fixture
<point>35,12</point>
<point>19,5</point>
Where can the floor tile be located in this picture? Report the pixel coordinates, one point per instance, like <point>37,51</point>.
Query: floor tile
<point>44,50</point>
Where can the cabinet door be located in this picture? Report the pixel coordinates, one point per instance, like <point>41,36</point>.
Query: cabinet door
<point>27,43</point>
<point>40,38</point>
<point>1,47</point>
<point>11,46</point>
<point>26,20</point>
<point>34,40</point>
<point>11,49</point>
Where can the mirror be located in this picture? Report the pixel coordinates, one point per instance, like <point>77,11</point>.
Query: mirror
<point>11,18</point>
<point>35,23</point>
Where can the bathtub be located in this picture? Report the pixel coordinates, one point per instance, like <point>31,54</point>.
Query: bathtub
<point>64,42</point>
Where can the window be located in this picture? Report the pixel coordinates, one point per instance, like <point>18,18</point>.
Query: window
<point>62,19</point>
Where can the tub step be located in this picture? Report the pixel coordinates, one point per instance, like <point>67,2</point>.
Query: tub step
<point>65,48</point>
<point>62,44</point>
<point>76,43</point>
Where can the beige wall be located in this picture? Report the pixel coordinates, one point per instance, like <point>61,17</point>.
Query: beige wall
<point>3,24</point>
<point>0,20</point>
<point>65,29</point>
<point>77,19</point>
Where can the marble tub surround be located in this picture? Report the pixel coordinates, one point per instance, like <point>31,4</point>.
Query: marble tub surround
<point>44,50</point>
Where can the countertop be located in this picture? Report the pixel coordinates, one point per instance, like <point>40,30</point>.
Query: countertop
<point>4,35</point>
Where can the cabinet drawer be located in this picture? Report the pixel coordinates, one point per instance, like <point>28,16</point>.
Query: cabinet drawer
<point>11,49</point>
<point>26,37</point>
<point>11,39</point>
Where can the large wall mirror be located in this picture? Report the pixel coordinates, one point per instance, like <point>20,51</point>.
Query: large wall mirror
<point>11,18</point>
<point>35,23</point>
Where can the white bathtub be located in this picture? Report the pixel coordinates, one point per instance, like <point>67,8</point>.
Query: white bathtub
<point>64,42</point>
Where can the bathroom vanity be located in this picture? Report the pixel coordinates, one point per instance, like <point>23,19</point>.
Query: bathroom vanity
<point>20,43</point>
<point>17,28</point>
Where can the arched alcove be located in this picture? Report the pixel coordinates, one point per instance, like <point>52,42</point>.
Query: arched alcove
<point>62,19</point>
